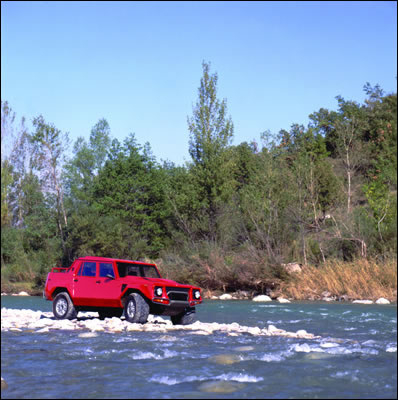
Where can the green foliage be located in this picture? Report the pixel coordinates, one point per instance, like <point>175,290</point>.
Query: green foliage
<point>131,188</point>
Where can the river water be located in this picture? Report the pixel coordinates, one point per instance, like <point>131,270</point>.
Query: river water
<point>355,356</point>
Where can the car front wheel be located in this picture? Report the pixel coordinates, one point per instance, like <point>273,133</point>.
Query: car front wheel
<point>136,309</point>
<point>187,317</point>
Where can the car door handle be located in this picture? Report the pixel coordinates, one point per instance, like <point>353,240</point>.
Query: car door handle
<point>97,281</point>
<point>75,280</point>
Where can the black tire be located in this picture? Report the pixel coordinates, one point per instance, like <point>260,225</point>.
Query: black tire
<point>110,313</point>
<point>187,317</point>
<point>63,307</point>
<point>136,309</point>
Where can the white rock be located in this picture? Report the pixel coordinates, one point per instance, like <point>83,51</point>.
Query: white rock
<point>282,300</point>
<point>382,300</point>
<point>254,331</point>
<point>329,345</point>
<point>87,335</point>
<point>262,297</point>
<point>292,268</point>
<point>225,296</point>
<point>302,348</point>
<point>44,322</point>
<point>363,301</point>
<point>23,294</point>
<point>273,330</point>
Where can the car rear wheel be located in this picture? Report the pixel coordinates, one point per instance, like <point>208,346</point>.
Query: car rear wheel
<point>187,317</point>
<point>63,307</point>
<point>136,309</point>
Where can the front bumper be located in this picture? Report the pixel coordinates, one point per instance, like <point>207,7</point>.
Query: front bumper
<point>175,303</point>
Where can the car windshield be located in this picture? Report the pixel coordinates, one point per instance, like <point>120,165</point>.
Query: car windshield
<point>142,270</point>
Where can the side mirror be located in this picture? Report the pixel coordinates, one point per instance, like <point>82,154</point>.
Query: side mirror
<point>110,276</point>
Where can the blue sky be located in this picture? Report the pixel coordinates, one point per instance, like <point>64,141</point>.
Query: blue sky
<point>139,64</point>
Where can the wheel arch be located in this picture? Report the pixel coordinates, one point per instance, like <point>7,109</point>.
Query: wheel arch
<point>59,290</point>
<point>130,291</point>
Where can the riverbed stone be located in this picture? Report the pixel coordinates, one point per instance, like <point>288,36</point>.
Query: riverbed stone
<point>273,329</point>
<point>221,387</point>
<point>382,300</point>
<point>87,335</point>
<point>301,333</point>
<point>282,300</point>
<point>38,321</point>
<point>262,297</point>
<point>225,296</point>
<point>4,384</point>
<point>199,333</point>
<point>225,359</point>
<point>255,331</point>
<point>363,302</point>
<point>244,348</point>
<point>23,294</point>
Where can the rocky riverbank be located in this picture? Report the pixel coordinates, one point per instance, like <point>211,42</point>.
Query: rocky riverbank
<point>18,320</point>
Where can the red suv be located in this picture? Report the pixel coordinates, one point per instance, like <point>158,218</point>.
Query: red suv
<point>113,287</point>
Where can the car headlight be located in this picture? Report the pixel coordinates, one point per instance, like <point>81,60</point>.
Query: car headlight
<point>158,291</point>
<point>196,294</point>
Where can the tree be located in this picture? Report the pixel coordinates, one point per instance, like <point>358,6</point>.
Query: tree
<point>210,135</point>
<point>88,160</point>
<point>349,142</point>
<point>49,152</point>
<point>130,189</point>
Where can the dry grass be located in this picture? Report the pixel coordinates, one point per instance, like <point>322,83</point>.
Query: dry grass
<point>360,279</point>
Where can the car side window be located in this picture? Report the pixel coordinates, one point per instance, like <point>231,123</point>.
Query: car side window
<point>106,269</point>
<point>133,270</point>
<point>88,269</point>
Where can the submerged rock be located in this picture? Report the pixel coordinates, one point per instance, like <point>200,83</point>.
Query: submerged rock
<point>225,359</point>
<point>244,348</point>
<point>221,387</point>
<point>4,384</point>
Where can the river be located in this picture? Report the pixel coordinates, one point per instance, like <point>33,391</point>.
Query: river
<point>355,356</point>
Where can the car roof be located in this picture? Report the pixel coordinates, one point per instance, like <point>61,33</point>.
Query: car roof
<point>89,258</point>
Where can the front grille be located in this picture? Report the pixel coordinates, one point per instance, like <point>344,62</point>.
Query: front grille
<point>177,294</point>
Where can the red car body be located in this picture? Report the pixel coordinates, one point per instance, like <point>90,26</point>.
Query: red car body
<point>98,283</point>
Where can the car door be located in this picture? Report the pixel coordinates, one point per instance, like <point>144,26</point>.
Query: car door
<point>85,287</point>
<point>108,286</point>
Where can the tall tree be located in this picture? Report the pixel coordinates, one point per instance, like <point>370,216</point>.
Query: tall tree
<point>49,151</point>
<point>210,135</point>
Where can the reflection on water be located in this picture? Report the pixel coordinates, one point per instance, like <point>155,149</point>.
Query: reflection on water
<point>355,356</point>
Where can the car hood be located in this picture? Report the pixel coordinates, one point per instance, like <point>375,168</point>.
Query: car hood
<point>157,281</point>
